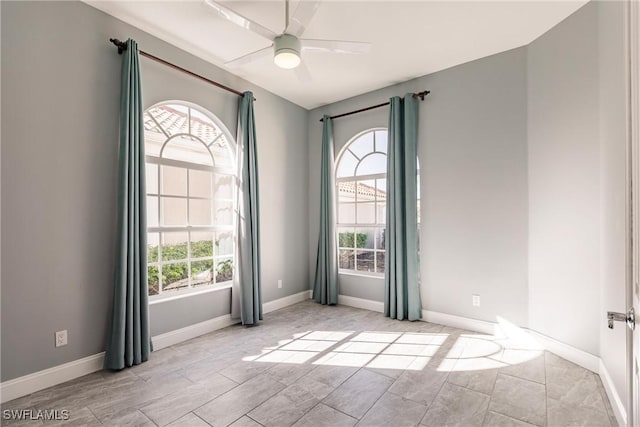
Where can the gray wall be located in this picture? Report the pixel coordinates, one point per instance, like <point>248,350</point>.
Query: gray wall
<point>60,106</point>
<point>611,63</point>
<point>564,181</point>
<point>472,152</point>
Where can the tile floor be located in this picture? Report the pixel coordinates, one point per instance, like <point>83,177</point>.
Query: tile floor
<point>310,365</point>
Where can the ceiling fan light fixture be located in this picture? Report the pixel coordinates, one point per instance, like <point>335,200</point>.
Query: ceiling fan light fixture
<point>286,50</point>
<point>286,59</point>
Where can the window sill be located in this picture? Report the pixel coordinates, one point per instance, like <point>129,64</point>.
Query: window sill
<point>158,299</point>
<point>361,274</point>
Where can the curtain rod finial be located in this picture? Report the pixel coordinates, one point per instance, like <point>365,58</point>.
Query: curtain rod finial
<point>421,95</point>
<point>122,46</point>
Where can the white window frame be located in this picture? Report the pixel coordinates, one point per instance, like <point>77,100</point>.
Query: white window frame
<point>160,229</point>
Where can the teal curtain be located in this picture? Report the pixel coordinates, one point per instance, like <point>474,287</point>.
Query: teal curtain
<point>246,292</point>
<point>129,341</point>
<point>402,288</point>
<point>325,287</point>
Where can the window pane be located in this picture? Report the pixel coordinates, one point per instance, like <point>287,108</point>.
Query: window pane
<point>346,213</point>
<point>380,240</point>
<point>381,140</point>
<point>380,262</point>
<point>365,238</point>
<point>175,276</point>
<point>346,191</point>
<point>224,270</point>
<point>174,246</point>
<point>151,171</point>
<point>347,259</point>
<point>222,153</point>
<point>200,183</point>
<point>223,214</point>
<point>152,211</point>
<point>202,272</point>
<point>224,243</point>
<point>366,191</point>
<point>153,240</point>
<point>365,261</point>
<point>347,165</point>
<point>171,117</point>
<point>152,280</point>
<point>381,211</point>
<point>381,186</point>
<point>149,123</point>
<point>174,211</point>
<point>223,186</point>
<point>187,149</point>
<point>174,181</point>
<point>346,237</point>
<point>366,213</point>
<point>201,244</point>
<point>372,164</point>
<point>363,145</point>
<point>153,137</point>
<point>202,126</point>
<point>199,212</point>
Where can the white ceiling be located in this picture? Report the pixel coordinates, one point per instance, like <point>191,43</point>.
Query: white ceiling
<point>410,39</point>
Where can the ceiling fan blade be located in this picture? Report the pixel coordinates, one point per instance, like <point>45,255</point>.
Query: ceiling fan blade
<point>240,20</point>
<point>335,46</point>
<point>301,17</point>
<point>303,74</point>
<point>250,57</point>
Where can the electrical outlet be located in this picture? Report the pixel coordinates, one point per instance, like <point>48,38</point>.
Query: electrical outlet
<point>475,300</point>
<point>61,338</point>
<point>279,283</point>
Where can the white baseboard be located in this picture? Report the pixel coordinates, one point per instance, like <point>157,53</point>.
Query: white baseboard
<point>192,331</point>
<point>616,402</point>
<point>566,351</point>
<point>274,305</point>
<point>365,304</point>
<point>40,380</point>
<point>459,322</point>
<point>24,385</point>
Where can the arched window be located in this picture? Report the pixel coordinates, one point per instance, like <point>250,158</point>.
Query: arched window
<point>361,181</point>
<point>190,168</point>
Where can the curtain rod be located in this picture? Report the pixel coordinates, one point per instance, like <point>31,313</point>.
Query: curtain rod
<point>122,46</point>
<point>420,95</point>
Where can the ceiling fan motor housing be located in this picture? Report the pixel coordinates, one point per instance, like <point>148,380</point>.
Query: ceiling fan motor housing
<point>285,46</point>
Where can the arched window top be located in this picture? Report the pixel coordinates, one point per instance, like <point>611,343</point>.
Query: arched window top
<point>177,130</point>
<point>365,154</point>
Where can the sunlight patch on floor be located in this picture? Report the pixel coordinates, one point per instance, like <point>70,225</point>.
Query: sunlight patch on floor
<point>372,349</point>
<point>510,345</point>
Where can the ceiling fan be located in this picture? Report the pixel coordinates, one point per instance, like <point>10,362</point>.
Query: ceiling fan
<point>287,46</point>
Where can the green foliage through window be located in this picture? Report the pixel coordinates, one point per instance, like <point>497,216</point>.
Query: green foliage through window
<point>200,249</point>
<point>202,271</point>
<point>345,240</point>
